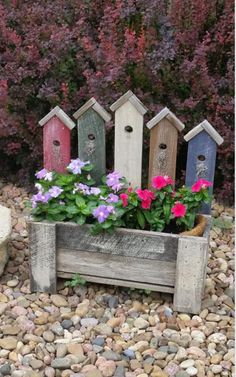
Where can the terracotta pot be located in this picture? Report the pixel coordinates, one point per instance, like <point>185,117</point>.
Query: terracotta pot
<point>198,230</point>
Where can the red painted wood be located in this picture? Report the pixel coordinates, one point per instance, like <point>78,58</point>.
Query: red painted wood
<point>56,145</point>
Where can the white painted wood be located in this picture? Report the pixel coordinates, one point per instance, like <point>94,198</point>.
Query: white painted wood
<point>116,267</point>
<point>166,113</point>
<point>129,145</point>
<point>204,126</point>
<point>131,97</point>
<point>57,111</point>
<point>190,274</point>
<point>92,103</point>
<point>5,231</point>
<point>122,283</point>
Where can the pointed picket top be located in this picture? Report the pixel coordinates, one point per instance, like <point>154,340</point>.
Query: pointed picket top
<point>131,97</point>
<point>204,126</point>
<point>92,103</point>
<point>166,113</point>
<point>59,113</point>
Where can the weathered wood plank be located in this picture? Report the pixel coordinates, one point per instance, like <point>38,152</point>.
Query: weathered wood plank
<point>91,142</point>
<point>163,150</point>
<point>115,267</point>
<point>129,142</point>
<point>119,282</point>
<point>123,242</point>
<point>42,246</point>
<point>190,274</point>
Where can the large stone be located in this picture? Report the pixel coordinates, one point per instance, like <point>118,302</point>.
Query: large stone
<point>5,231</point>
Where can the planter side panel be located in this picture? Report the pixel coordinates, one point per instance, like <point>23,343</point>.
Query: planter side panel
<point>42,245</point>
<point>190,274</point>
<point>123,242</point>
<point>116,267</point>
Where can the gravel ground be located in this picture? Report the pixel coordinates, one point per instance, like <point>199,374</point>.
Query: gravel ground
<point>104,331</point>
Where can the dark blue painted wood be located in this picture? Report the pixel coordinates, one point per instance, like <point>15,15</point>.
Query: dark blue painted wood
<point>201,145</point>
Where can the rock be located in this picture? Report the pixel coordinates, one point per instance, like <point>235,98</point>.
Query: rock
<point>111,355</point>
<point>141,323</point>
<point>181,354</point>
<point>8,343</point>
<point>61,363</point>
<point>182,373</point>
<point>196,351</point>
<point>187,363</point>
<point>5,231</point>
<point>114,322</point>
<point>13,283</point>
<point>99,341</point>
<point>212,317</point>
<point>107,368</point>
<point>48,336</point>
<point>120,371</point>
<point>191,371</point>
<point>217,338</point>
<point>82,308</point>
<point>77,350</point>
<point>59,300</point>
<point>57,329</point>
<point>216,359</point>
<point>5,369</point>
<point>103,329</point>
<point>89,322</point>
<point>61,350</point>
<point>129,353</point>
<point>66,323</point>
<point>113,302</point>
<point>49,372</point>
<point>3,307</point>
<point>216,369</point>
<point>36,364</point>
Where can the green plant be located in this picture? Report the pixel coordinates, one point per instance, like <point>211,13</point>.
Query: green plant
<point>76,280</point>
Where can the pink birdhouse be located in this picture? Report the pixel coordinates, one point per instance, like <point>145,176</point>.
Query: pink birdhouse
<point>56,140</point>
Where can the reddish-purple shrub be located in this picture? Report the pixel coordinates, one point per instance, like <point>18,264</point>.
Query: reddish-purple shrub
<point>177,54</point>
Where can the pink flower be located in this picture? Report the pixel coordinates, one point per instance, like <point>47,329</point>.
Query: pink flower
<point>124,198</point>
<point>146,197</point>
<point>179,210</point>
<point>160,181</point>
<point>201,184</point>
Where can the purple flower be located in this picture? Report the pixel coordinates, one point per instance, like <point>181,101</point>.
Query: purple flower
<point>40,197</point>
<point>76,165</point>
<point>48,176</point>
<point>55,191</point>
<point>112,198</point>
<point>41,174</point>
<point>81,187</point>
<point>113,181</point>
<point>39,187</point>
<point>101,213</point>
<point>111,209</point>
<point>95,191</point>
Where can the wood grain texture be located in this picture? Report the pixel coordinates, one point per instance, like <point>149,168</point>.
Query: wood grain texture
<point>162,161</point>
<point>116,267</point>
<point>42,246</point>
<point>201,162</point>
<point>129,145</point>
<point>190,274</point>
<point>122,283</point>
<point>91,142</point>
<point>56,145</point>
<point>123,242</point>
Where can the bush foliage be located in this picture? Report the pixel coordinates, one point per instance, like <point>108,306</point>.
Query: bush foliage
<point>177,54</point>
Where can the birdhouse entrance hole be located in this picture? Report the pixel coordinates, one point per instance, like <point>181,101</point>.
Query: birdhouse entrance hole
<point>56,143</point>
<point>128,129</point>
<point>201,157</point>
<point>91,137</point>
<point>162,146</point>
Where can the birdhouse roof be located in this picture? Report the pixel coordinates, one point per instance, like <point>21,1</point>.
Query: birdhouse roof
<point>166,113</point>
<point>131,97</point>
<point>204,126</point>
<point>59,113</point>
<point>92,103</point>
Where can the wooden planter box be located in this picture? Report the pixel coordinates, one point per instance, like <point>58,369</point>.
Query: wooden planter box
<point>131,258</point>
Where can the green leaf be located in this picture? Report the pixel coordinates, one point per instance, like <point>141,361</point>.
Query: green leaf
<point>107,224</point>
<point>80,219</point>
<point>141,219</point>
<point>80,202</point>
<point>72,210</point>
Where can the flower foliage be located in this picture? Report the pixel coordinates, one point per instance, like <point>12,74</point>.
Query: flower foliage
<point>177,54</point>
<point>72,197</point>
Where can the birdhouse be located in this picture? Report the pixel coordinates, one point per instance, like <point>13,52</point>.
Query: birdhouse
<point>202,144</point>
<point>91,118</point>
<point>129,112</point>
<point>164,128</point>
<point>56,140</point>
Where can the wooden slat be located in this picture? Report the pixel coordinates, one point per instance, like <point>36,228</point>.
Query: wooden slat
<point>91,142</point>
<point>119,282</point>
<point>129,145</point>
<point>123,242</point>
<point>190,274</point>
<point>115,267</point>
<point>163,150</point>
<point>42,246</point>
